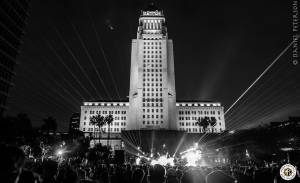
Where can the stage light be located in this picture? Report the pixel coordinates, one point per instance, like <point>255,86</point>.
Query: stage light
<point>247,154</point>
<point>196,144</point>
<point>231,132</point>
<point>163,160</point>
<point>59,152</point>
<point>286,149</point>
<point>192,157</point>
<point>154,162</point>
<point>138,147</point>
<point>138,161</point>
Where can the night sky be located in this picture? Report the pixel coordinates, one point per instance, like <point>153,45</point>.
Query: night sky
<point>220,48</point>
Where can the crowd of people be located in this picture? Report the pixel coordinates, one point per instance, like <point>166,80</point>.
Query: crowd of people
<point>16,168</point>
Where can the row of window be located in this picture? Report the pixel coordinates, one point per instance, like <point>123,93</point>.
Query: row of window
<point>152,79</point>
<point>156,74</point>
<point>153,38</point>
<point>152,42</point>
<point>152,61</point>
<point>103,129</point>
<point>153,116</point>
<point>106,112</point>
<point>115,118</point>
<point>152,89</point>
<point>200,130</point>
<point>152,65</point>
<point>152,99</point>
<point>153,110</point>
<point>152,105</point>
<point>152,70</point>
<point>152,122</point>
<point>199,112</point>
<point>152,94</point>
<point>152,47</point>
<point>152,52</point>
<point>152,84</point>
<point>192,118</point>
<point>113,124</point>
<point>190,124</point>
<point>152,56</point>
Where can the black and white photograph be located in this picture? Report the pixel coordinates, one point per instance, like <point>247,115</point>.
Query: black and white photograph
<point>149,91</point>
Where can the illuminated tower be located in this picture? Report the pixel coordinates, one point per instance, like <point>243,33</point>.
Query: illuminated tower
<point>152,96</point>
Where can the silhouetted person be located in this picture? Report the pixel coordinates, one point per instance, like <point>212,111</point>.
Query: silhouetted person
<point>26,177</point>
<point>219,177</point>
<point>192,176</point>
<point>128,174</point>
<point>138,175</point>
<point>171,176</point>
<point>49,171</point>
<point>156,174</point>
<point>179,174</point>
<point>11,163</point>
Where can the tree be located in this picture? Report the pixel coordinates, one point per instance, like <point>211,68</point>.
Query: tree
<point>108,120</point>
<point>97,120</point>
<point>203,122</point>
<point>212,122</point>
<point>50,125</point>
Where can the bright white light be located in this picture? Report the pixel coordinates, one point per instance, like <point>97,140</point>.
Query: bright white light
<point>60,152</point>
<point>138,161</point>
<point>196,144</point>
<point>192,157</point>
<point>163,160</point>
<point>247,154</point>
<point>153,162</point>
<point>286,149</point>
<point>231,132</point>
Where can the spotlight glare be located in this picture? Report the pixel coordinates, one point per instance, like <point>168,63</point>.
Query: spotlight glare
<point>163,160</point>
<point>192,157</point>
<point>60,152</point>
<point>138,161</point>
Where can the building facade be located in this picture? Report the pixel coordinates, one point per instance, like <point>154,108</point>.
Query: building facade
<point>152,93</point>
<point>118,109</point>
<point>13,15</point>
<point>152,96</point>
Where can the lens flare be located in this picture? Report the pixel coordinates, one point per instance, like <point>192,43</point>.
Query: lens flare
<point>192,157</point>
<point>163,160</point>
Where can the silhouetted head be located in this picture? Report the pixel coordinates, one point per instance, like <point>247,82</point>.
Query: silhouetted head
<point>192,176</point>
<point>11,163</point>
<point>156,174</point>
<point>138,175</point>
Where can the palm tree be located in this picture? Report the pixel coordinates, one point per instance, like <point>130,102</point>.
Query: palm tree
<point>108,120</point>
<point>97,120</point>
<point>203,122</point>
<point>93,121</point>
<point>212,122</point>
